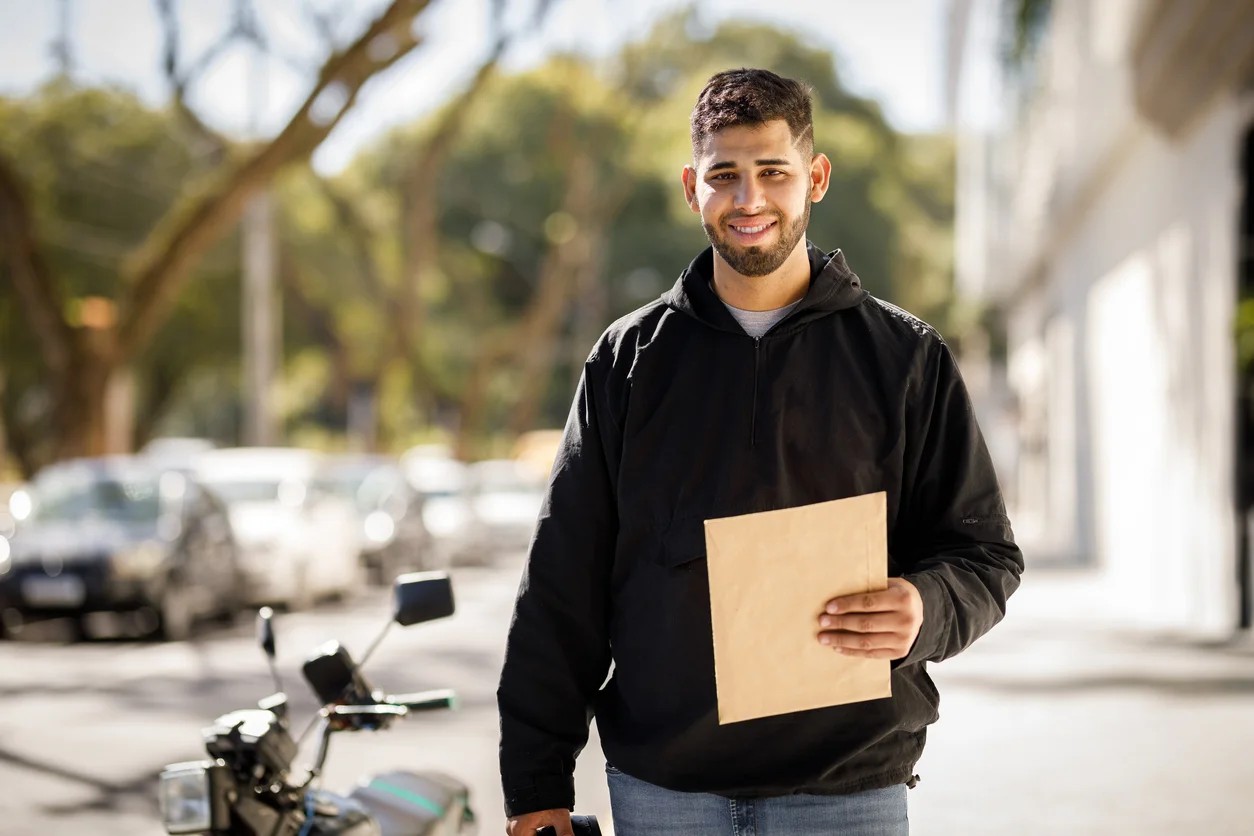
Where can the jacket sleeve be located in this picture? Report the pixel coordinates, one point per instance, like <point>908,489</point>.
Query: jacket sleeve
<point>957,546</point>
<point>557,653</point>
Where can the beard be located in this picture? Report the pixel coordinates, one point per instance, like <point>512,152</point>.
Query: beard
<point>760,261</point>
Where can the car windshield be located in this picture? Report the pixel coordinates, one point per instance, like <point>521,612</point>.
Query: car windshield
<point>491,478</point>
<point>67,497</point>
<point>253,490</point>
<point>367,486</point>
<point>344,481</point>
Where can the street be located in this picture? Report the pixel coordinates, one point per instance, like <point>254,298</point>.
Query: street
<point>1054,723</point>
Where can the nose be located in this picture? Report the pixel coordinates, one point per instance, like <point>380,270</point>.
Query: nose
<point>750,196</point>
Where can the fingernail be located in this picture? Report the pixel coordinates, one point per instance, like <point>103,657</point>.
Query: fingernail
<point>825,621</point>
<point>825,639</point>
<point>832,608</point>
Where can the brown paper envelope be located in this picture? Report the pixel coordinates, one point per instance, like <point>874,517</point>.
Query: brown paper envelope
<point>771,573</point>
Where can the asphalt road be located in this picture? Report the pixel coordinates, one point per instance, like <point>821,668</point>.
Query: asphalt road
<point>1054,723</point>
<point>86,727</point>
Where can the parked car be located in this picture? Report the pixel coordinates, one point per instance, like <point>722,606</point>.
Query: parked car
<point>116,534</point>
<point>11,495</point>
<point>444,483</point>
<point>176,452</point>
<point>506,496</point>
<point>299,540</point>
<point>394,536</point>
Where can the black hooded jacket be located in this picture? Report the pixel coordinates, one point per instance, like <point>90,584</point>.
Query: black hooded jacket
<point>681,417</point>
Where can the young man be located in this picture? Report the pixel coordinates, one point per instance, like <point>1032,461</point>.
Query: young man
<point>765,378</point>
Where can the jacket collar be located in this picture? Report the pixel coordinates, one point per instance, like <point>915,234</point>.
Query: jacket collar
<point>833,287</point>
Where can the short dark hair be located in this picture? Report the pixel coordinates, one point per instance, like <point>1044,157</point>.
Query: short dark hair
<point>753,97</point>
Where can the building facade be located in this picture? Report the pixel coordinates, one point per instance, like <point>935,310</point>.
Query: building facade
<point>1103,217</point>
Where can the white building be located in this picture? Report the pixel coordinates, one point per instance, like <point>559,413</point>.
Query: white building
<point>1105,192</point>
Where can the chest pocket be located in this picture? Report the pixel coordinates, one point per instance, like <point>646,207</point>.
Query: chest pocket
<point>683,545</point>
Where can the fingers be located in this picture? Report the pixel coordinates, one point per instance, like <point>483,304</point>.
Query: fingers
<point>895,621</point>
<point>540,823</point>
<point>873,625</point>
<point>896,597</point>
<point>862,644</point>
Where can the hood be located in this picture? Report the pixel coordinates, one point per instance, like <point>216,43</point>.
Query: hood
<point>833,287</point>
<point>254,522</point>
<point>80,538</point>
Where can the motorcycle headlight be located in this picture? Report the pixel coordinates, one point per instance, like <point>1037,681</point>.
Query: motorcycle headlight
<point>193,797</point>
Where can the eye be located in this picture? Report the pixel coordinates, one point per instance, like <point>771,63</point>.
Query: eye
<point>773,172</point>
<point>723,176</point>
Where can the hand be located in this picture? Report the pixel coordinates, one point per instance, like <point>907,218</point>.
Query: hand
<point>528,823</point>
<point>874,625</point>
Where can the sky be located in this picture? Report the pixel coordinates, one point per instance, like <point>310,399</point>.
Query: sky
<point>890,50</point>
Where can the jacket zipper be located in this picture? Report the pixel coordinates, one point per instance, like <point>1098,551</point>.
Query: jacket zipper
<point>753,413</point>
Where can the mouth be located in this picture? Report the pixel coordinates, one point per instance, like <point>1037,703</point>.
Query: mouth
<point>751,231</point>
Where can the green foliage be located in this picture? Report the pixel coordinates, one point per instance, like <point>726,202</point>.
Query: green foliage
<point>102,168</point>
<point>502,188</point>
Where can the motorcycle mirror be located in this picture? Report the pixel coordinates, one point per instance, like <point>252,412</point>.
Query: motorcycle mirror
<point>265,637</point>
<point>417,597</point>
<point>265,631</point>
<point>421,596</point>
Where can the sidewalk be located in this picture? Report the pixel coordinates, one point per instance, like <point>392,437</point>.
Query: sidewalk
<point>1061,722</point>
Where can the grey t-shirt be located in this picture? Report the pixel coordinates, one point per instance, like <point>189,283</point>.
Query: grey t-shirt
<point>757,323</point>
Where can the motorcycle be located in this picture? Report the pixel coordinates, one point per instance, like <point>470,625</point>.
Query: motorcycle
<point>247,787</point>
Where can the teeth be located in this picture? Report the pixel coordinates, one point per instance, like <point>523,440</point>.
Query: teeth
<point>750,230</point>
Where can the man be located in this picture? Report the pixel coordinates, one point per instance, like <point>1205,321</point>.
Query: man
<point>765,378</point>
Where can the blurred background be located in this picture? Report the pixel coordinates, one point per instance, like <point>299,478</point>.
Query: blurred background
<point>294,295</point>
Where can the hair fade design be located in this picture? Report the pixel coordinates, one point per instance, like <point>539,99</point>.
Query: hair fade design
<point>753,97</point>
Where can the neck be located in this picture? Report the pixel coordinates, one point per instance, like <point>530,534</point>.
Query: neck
<point>786,285</point>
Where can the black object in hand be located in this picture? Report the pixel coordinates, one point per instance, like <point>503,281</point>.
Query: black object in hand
<point>581,825</point>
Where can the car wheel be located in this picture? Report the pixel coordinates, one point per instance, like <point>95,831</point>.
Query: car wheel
<point>174,613</point>
<point>79,628</point>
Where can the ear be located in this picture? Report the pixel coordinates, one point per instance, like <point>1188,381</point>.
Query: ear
<point>689,179</point>
<point>820,176</point>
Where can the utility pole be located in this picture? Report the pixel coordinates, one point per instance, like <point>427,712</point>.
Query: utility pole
<point>261,314</point>
<point>61,46</point>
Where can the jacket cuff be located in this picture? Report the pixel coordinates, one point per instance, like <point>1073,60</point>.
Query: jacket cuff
<point>532,793</point>
<point>937,612</point>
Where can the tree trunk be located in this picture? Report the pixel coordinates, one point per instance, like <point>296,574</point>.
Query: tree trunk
<point>82,404</point>
<point>81,363</point>
<point>571,270</point>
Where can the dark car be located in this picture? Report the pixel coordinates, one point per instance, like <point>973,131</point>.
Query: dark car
<point>395,538</point>
<point>119,534</point>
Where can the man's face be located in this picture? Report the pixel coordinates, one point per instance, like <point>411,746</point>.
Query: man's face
<point>753,187</point>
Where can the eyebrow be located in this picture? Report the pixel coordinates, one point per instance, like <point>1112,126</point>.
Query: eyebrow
<point>722,164</point>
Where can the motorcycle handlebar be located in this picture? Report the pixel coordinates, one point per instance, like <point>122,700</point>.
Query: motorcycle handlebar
<point>424,700</point>
<point>381,710</point>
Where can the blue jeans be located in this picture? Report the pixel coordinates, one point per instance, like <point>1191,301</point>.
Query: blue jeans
<point>642,809</point>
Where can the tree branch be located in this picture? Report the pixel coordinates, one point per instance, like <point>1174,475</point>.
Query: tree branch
<point>162,262</point>
<point>34,286</point>
<point>421,198</point>
<point>178,81</point>
<point>361,235</point>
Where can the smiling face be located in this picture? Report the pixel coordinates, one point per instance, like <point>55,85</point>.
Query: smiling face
<point>753,186</point>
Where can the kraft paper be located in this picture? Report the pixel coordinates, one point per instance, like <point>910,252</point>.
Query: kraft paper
<point>771,574</point>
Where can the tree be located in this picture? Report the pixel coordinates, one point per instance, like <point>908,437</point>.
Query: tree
<point>81,357</point>
<point>559,211</point>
